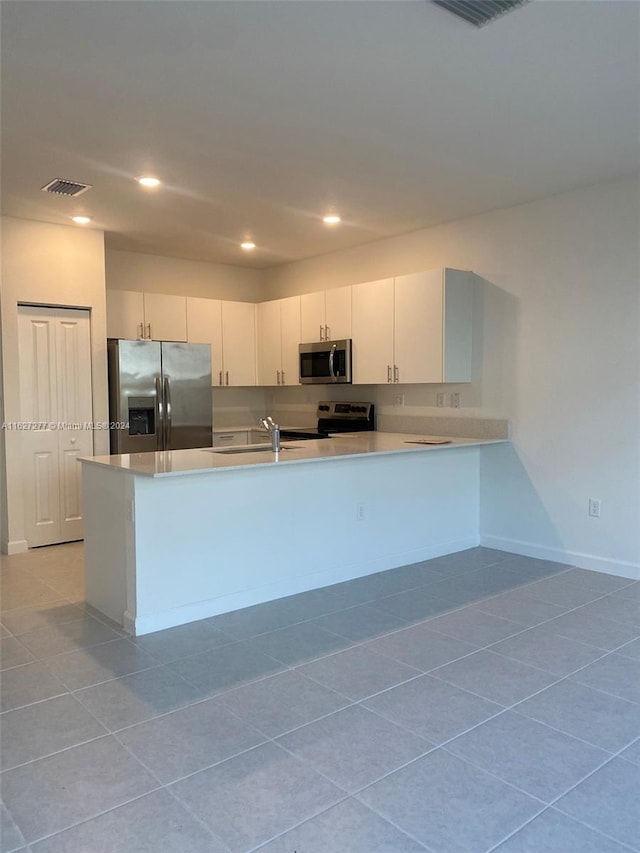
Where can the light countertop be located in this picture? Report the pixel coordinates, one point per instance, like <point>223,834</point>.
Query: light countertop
<point>207,460</point>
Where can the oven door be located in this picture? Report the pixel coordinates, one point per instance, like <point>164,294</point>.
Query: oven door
<point>325,362</point>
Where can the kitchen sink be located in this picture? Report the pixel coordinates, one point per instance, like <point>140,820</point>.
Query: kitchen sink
<point>255,448</point>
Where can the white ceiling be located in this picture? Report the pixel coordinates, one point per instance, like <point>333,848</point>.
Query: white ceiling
<point>260,116</point>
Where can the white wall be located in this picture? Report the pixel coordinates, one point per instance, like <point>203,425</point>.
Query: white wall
<point>157,274</point>
<point>560,358</point>
<point>46,264</point>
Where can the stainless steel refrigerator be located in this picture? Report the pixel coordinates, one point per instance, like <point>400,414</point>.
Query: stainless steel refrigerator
<point>159,395</point>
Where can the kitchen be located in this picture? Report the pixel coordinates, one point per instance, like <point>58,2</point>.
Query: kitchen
<point>559,336</point>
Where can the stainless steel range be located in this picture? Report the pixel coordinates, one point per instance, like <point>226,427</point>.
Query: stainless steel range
<point>334,417</point>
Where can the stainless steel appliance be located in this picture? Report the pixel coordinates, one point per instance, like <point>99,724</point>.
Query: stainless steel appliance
<point>335,417</point>
<point>325,362</point>
<point>162,391</point>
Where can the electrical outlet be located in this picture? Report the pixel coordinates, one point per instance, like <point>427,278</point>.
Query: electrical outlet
<point>360,512</point>
<point>441,399</point>
<point>398,399</point>
<point>455,400</point>
<point>594,508</point>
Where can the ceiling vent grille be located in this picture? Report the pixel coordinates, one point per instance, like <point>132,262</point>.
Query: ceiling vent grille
<point>61,187</point>
<point>480,12</point>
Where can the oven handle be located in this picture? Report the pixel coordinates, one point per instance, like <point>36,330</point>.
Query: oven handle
<point>331,355</point>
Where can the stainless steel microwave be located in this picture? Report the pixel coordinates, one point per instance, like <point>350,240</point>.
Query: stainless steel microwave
<point>325,362</point>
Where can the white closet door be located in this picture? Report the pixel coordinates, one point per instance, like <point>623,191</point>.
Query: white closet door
<point>73,374</point>
<point>55,388</point>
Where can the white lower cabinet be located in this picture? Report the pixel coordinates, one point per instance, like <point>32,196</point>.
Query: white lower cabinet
<point>239,437</point>
<point>414,329</point>
<point>232,438</point>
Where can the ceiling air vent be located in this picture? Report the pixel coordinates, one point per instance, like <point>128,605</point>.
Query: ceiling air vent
<point>61,187</point>
<point>480,12</point>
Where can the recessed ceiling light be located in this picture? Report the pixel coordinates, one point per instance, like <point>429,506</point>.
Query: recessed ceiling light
<point>81,220</point>
<point>247,245</point>
<point>331,219</point>
<point>148,182</point>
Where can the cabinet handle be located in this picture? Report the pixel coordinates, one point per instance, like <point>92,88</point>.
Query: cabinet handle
<point>141,334</point>
<point>148,331</point>
<point>327,333</point>
<point>283,382</point>
<point>220,378</point>
<point>396,373</point>
<point>388,373</point>
<point>321,333</point>
<point>278,377</point>
<point>227,376</point>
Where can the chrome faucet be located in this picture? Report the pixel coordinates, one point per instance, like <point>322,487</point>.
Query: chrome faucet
<point>274,432</point>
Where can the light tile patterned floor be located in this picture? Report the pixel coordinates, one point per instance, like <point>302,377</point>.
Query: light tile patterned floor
<point>477,702</point>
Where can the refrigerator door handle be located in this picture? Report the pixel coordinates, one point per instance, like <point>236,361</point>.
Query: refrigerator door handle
<point>159,415</point>
<point>167,403</point>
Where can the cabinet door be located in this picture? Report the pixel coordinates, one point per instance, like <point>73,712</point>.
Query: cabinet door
<point>125,314</point>
<point>312,317</point>
<point>290,339</point>
<point>372,321</point>
<point>338,313</point>
<point>233,438</point>
<point>418,327</point>
<point>165,317</point>
<point>238,343</point>
<point>204,326</point>
<point>269,343</point>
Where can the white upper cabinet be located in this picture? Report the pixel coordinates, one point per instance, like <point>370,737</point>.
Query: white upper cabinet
<point>204,326</point>
<point>165,317</point>
<point>414,328</point>
<point>230,329</point>
<point>146,316</point>
<point>326,315</point>
<point>372,323</point>
<point>418,332</point>
<point>290,336</point>
<point>409,329</point>
<point>278,339</point>
<point>238,343</point>
<point>125,314</point>
<point>312,317</point>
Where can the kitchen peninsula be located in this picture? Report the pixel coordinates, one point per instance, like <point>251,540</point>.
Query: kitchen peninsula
<point>176,536</point>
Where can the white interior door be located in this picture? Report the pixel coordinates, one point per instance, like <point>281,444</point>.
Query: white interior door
<point>55,406</point>
<point>73,375</point>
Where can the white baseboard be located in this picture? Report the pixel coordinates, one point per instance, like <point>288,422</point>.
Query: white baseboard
<point>557,555</point>
<point>17,546</point>
<point>145,624</point>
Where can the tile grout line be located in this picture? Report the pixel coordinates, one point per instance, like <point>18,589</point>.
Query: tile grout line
<point>352,703</point>
<point>553,803</point>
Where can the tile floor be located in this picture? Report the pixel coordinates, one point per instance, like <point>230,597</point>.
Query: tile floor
<point>476,702</point>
